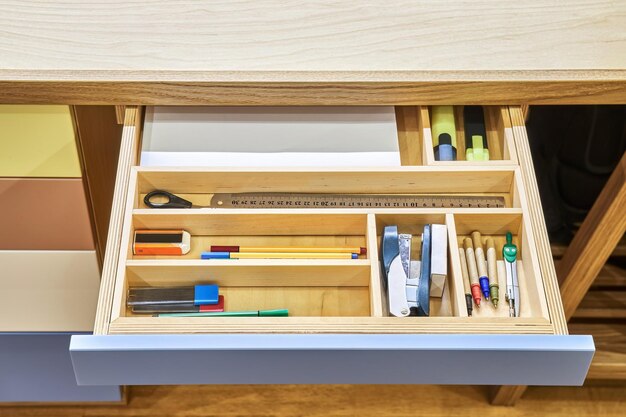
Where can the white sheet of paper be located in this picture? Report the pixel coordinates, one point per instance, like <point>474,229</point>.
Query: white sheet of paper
<point>270,136</point>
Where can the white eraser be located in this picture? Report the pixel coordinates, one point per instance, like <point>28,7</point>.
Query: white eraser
<point>438,259</point>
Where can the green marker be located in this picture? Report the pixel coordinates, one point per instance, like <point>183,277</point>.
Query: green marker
<point>476,148</point>
<point>253,313</point>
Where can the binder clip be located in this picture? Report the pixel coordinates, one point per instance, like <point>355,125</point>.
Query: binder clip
<point>407,281</point>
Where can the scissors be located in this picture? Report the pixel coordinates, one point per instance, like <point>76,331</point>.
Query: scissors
<point>172,201</point>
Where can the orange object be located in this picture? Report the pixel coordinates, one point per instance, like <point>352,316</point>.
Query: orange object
<point>161,242</point>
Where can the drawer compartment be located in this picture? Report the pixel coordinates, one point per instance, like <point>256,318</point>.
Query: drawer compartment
<point>499,134</point>
<point>336,307</point>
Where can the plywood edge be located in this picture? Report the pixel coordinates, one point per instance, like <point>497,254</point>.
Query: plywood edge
<point>124,250</point>
<point>128,157</point>
<point>455,277</point>
<point>509,141</point>
<point>370,325</point>
<point>474,167</point>
<point>376,288</point>
<point>538,223</point>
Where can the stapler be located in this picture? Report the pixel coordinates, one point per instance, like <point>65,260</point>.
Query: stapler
<point>408,282</point>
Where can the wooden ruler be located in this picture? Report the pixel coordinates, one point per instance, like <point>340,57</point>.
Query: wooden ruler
<point>307,201</point>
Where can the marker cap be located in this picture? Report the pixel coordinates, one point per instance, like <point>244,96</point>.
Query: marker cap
<point>206,294</point>
<point>274,313</point>
<point>484,286</point>
<point>445,153</point>
<point>219,307</point>
<point>476,294</point>
<point>224,248</point>
<point>215,255</point>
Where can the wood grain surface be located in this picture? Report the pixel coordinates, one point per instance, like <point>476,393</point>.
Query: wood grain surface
<point>609,361</point>
<point>98,137</point>
<point>602,229</point>
<point>127,157</point>
<point>312,52</point>
<point>342,400</point>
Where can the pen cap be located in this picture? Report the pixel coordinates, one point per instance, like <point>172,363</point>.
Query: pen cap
<point>215,248</point>
<point>445,152</point>
<point>215,255</point>
<point>206,294</point>
<point>274,313</point>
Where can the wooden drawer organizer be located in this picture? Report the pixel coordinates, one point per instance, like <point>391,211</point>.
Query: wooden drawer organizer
<point>330,296</point>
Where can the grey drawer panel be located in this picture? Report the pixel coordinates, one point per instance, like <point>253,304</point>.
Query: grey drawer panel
<point>331,359</point>
<point>37,368</point>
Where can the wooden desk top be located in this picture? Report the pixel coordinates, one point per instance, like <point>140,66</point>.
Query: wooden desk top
<point>313,52</point>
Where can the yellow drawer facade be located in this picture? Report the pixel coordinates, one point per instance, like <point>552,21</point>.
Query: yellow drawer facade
<point>37,141</point>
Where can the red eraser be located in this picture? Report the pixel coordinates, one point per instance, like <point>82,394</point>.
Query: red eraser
<point>224,248</point>
<point>219,307</point>
<point>363,251</point>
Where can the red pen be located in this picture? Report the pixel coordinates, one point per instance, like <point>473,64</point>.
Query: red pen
<point>473,270</point>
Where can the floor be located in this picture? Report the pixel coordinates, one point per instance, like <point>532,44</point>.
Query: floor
<point>344,400</point>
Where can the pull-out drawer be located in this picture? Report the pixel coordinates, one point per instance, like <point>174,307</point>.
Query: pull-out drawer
<point>339,329</point>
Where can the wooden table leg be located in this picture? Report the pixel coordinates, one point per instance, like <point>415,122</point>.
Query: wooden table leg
<point>506,394</point>
<point>586,255</point>
<point>592,245</point>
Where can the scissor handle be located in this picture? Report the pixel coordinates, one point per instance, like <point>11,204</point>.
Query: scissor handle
<point>173,201</point>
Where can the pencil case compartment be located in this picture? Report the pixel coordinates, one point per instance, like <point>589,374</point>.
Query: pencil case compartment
<point>533,304</point>
<point>473,126</point>
<point>306,287</point>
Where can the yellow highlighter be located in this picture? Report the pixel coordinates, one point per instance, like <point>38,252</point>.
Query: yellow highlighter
<point>444,133</point>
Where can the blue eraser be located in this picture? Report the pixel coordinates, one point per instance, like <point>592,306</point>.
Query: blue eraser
<point>215,255</point>
<point>445,152</point>
<point>206,294</point>
<point>355,256</point>
<point>484,286</point>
